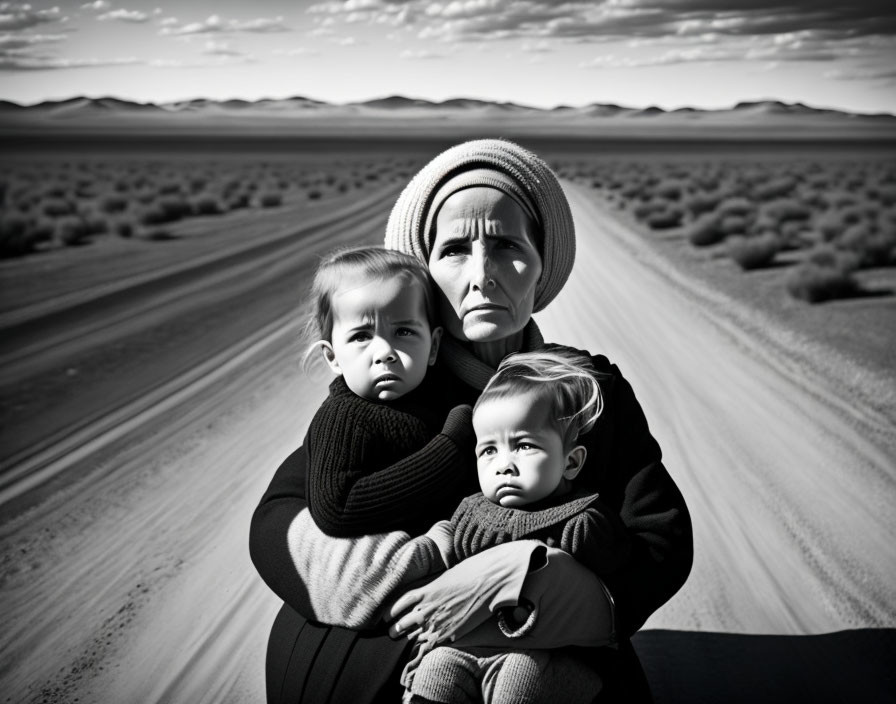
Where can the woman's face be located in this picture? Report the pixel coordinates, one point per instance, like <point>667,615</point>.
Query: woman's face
<point>485,264</point>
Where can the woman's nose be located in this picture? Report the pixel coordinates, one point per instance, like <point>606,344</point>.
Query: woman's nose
<point>482,275</point>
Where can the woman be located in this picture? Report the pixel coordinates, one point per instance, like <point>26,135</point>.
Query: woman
<point>493,225</point>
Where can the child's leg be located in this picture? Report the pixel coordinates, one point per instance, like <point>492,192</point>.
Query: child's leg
<point>447,675</point>
<point>516,677</point>
<point>540,677</point>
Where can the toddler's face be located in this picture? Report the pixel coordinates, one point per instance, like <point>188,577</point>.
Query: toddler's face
<point>519,453</point>
<point>382,342</point>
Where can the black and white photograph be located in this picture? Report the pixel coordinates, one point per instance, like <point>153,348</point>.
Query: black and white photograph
<point>468,351</point>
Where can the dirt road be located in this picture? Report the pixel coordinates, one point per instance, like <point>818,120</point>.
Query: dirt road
<point>133,582</point>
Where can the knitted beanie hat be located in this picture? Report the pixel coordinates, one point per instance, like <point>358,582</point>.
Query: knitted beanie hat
<point>409,226</point>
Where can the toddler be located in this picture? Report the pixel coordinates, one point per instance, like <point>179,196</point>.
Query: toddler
<point>527,421</point>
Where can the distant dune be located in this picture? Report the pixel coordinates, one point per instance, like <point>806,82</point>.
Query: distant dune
<point>396,116</point>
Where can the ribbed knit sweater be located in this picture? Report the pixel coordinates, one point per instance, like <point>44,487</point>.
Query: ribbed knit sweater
<point>376,467</point>
<point>572,523</point>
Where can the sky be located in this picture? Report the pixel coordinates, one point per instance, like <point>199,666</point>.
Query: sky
<point>707,54</point>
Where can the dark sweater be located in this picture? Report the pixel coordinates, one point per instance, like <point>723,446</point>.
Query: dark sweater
<point>624,466</point>
<point>571,523</point>
<point>375,467</point>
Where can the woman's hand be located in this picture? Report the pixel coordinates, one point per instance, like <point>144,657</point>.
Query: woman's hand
<point>572,607</point>
<point>463,597</point>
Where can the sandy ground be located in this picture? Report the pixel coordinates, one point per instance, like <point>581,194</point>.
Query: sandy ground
<point>133,582</point>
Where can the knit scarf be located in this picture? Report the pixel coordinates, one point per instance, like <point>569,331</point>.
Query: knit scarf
<point>472,370</point>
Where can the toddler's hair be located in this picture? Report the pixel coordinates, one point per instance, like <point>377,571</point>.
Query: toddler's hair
<point>373,263</point>
<point>560,377</point>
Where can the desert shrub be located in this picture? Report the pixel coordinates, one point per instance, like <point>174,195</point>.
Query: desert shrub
<point>314,194</point>
<point>774,188</point>
<point>735,205</point>
<point>816,283</point>
<point>241,200</point>
<point>886,193</point>
<point>270,200</point>
<point>700,203</point>
<point>704,231</point>
<point>124,228</point>
<point>207,205</point>
<point>732,225</point>
<point>665,218</point>
<point>165,210</point>
<point>56,191</point>
<point>784,209</point>
<point>72,230</point>
<point>753,252</point>
<point>170,188</point>
<point>14,236</point>
<point>113,203</point>
<point>57,207</point>
<point>197,184</point>
<point>872,246</point>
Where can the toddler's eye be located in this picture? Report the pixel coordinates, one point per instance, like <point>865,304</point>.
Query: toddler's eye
<point>359,337</point>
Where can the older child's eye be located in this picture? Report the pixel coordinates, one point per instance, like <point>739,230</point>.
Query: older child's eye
<point>359,337</point>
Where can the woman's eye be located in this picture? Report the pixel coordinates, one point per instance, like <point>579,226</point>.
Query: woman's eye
<point>487,451</point>
<point>405,332</point>
<point>505,243</point>
<point>525,446</point>
<point>455,250</point>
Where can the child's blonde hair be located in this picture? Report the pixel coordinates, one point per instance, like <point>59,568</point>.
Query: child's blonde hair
<point>560,377</point>
<point>374,263</point>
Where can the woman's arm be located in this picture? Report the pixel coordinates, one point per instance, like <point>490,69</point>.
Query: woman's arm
<point>642,493</point>
<point>350,495</point>
<point>269,548</point>
<point>342,581</point>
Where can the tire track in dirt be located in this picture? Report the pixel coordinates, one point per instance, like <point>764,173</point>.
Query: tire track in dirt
<point>103,333</point>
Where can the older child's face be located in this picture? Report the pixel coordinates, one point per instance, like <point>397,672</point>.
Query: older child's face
<point>519,453</point>
<point>382,342</point>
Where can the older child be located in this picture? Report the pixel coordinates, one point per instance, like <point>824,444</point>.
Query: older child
<point>373,318</point>
<point>527,422</point>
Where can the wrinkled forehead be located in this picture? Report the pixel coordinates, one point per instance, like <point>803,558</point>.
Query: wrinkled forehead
<point>481,210</point>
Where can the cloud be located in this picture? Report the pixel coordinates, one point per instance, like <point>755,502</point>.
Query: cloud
<point>215,25</point>
<point>97,6</point>
<point>134,16</point>
<point>47,63</point>
<point>886,73</point>
<point>215,48</point>
<point>298,51</point>
<point>15,16</point>
<point>474,20</point>
<point>16,42</point>
<point>169,22</point>
<point>421,54</point>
